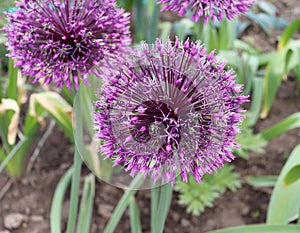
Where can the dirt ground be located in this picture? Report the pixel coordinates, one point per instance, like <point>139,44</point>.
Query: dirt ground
<point>28,200</point>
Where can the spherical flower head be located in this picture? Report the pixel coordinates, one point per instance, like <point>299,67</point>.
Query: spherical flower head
<point>168,109</point>
<point>61,40</point>
<point>208,9</point>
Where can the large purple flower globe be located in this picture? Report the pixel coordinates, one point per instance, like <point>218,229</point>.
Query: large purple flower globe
<point>168,109</point>
<point>208,9</point>
<point>60,40</point>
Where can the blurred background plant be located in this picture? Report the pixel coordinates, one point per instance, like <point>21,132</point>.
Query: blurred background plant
<point>27,111</point>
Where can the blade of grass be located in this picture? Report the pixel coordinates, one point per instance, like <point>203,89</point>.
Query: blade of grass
<point>135,219</point>
<point>74,193</point>
<point>57,201</point>
<point>86,205</point>
<point>123,203</point>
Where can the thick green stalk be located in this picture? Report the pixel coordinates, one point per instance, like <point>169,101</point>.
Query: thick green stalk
<point>123,203</point>
<point>153,16</point>
<point>154,206</point>
<point>74,192</point>
<point>140,21</point>
<point>164,204</point>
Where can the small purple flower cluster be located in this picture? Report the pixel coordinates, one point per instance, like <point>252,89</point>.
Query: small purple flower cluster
<point>61,40</point>
<point>169,109</point>
<point>208,9</point>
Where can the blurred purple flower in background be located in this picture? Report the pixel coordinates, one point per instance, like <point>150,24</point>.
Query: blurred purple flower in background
<point>208,9</point>
<point>168,109</point>
<point>60,40</point>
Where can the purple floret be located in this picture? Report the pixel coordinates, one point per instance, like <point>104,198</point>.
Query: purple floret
<point>60,40</point>
<point>168,109</point>
<point>208,9</point>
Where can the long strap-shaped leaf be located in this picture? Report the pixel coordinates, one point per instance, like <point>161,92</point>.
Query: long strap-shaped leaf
<point>285,199</point>
<point>12,153</point>
<point>261,228</point>
<point>291,122</point>
<point>57,202</point>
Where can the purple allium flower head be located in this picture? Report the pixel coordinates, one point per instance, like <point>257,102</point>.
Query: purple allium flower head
<point>208,9</point>
<point>168,109</point>
<point>60,40</point>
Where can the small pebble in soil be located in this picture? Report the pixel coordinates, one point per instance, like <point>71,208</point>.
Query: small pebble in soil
<point>37,218</point>
<point>184,222</point>
<point>14,220</point>
<point>105,210</point>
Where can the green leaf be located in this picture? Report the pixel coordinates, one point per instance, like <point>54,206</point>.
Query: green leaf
<point>227,34</point>
<point>135,219</point>
<point>210,37</point>
<point>165,30</point>
<point>267,7</point>
<point>57,201</point>
<point>262,181</point>
<point>248,140</point>
<point>56,107</point>
<point>260,228</point>
<point>256,100</point>
<point>198,197</point>
<point>86,205</point>
<point>291,122</point>
<point>12,153</point>
<point>273,77</point>
<point>263,20</point>
<point>292,176</point>
<point>241,45</point>
<point>265,58</point>
<point>288,34</point>
<point>284,61</point>
<point>285,202</point>
<point>12,88</point>
<point>183,28</point>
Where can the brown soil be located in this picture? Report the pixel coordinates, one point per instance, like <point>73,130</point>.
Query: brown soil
<point>32,195</point>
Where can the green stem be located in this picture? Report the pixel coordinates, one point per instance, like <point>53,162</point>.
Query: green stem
<point>153,16</point>
<point>164,204</point>
<point>74,192</point>
<point>123,203</point>
<point>154,205</point>
<point>200,29</point>
<point>140,21</point>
